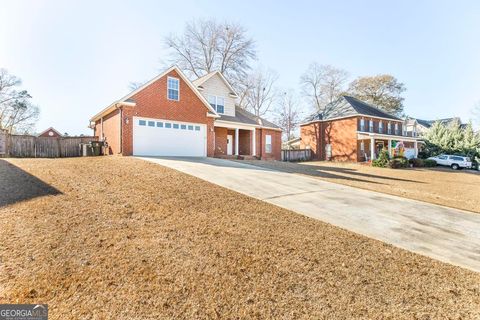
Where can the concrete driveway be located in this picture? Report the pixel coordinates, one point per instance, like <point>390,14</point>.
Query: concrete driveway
<point>441,233</point>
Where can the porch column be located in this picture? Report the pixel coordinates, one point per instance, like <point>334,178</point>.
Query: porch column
<point>415,146</point>
<point>390,147</point>
<point>372,148</point>
<point>236,141</point>
<point>254,145</point>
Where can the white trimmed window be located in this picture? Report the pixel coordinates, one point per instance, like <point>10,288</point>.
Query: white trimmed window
<point>173,89</point>
<point>362,124</point>
<point>380,127</point>
<point>370,125</point>
<point>268,143</point>
<point>397,132</point>
<point>217,103</point>
<point>389,128</point>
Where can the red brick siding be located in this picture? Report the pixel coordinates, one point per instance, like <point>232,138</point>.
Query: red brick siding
<point>276,144</point>
<point>360,153</point>
<point>127,130</point>
<point>220,141</point>
<point>46,134</point>
<point>311,138</point>
<point>376,125</point>
<point>245,142</point>
<point>152,102</point>
<point>340,134</point>
<point>111,131</point>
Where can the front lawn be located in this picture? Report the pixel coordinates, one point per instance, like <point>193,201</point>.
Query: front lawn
<point>439,185</point>
<point>120,238</point>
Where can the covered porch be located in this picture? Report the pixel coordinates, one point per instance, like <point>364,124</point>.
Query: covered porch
<point>369,146</point>
<point>234,140</point>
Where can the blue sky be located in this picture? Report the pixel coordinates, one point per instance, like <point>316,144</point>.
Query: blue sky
<point>76,57</point>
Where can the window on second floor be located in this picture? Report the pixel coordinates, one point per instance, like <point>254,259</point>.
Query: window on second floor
<point>397,131</point>
<point>380,127</point>
<point>173,89</point>
<point>362,124</point>
<point>370,125</point>
<point>217,103</point>
<point>389,128</point>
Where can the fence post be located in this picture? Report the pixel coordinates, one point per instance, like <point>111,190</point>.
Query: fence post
<point>59,147</point>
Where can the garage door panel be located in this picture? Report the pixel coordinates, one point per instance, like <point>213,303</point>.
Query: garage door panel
<point>170,139</point>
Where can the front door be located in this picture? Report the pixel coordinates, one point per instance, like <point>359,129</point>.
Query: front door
<point>229,144</point>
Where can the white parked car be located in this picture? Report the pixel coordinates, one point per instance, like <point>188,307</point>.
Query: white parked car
<point>455,162</point>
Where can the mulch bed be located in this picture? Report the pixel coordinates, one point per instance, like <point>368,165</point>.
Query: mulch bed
<point>120,238</point>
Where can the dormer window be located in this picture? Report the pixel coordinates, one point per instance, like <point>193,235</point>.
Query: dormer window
<point>217,103</point>
<point>173,89</point>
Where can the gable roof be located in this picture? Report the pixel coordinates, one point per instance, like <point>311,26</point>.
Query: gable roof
<point>198,82</point>
<point>127,100</point>
<point>243,116</point>
<point>445,121</point>
<point>50,129</point>
<point>348,106</point>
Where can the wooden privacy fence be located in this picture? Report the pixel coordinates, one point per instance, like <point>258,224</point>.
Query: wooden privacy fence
<point>23,146</point>
<point>297,155</point>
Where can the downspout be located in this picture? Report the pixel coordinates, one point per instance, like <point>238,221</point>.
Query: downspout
<point>101,127</point>
<point>121,129</point>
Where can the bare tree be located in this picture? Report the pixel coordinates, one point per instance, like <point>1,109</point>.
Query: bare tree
<point>134,85</point>
<point>207,46</point>
<point>288,114</point>
<point>323,84</point>
<point>383,91</point>
<point>260,93</point>
<point>17,113</point>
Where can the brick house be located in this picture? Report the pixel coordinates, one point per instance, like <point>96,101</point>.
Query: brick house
<point>352,130</point>
<point>173,116</point>
<point>51,133</point>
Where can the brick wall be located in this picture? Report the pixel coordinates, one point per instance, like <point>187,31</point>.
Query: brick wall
<point>340,134</point>
<point>110,130</point>
<point>311,139</point>
<point>220,141</point>
<point>376,125</point>
<point>245,142</point>
<point>152,102</point>
<point>276,153</point>
<point>47,134</point>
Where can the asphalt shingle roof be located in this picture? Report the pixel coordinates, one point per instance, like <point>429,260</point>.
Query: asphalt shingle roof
<point>348,106</point>
<point>243,116</point>
<point>446,122</point>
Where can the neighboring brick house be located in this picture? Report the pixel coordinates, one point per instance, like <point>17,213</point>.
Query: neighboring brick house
<point>172,116</point>
<point>50,132</point>
<point>352,130</point>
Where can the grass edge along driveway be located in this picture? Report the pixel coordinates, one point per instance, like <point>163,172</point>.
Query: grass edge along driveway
<point>122,237</point>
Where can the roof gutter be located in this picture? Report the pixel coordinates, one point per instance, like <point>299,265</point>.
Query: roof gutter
<point>351,116</point>
<point>111,108</point>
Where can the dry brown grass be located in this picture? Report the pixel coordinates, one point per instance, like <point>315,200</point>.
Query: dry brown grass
<point>444,186</point>
<point>133,240</point>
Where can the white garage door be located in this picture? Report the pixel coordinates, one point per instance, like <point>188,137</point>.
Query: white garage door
<point>157,137</point>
